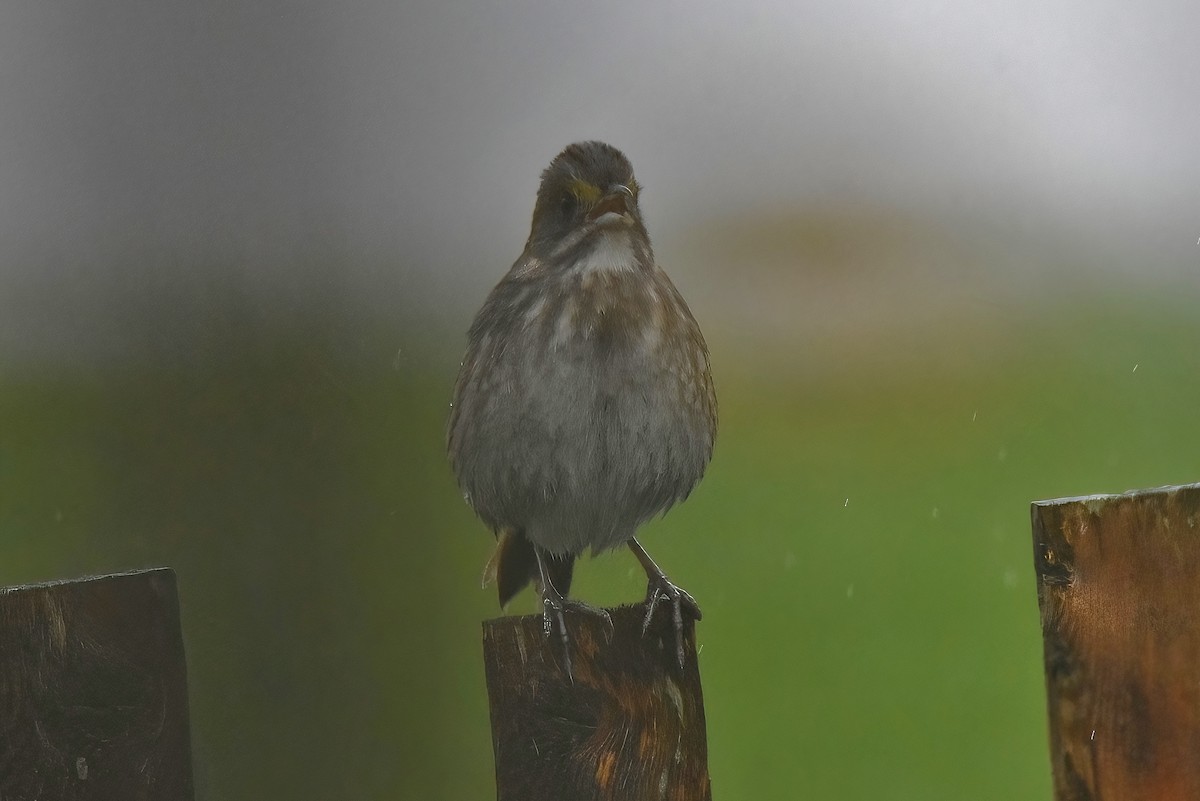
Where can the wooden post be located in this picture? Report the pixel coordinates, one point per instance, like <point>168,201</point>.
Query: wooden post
<point>1119,591</point>
<point>93,691</point>
<point>629,728</point>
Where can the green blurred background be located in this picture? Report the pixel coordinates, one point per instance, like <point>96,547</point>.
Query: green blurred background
<point>945,261</point>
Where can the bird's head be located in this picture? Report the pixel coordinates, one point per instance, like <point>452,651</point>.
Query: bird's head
<point>588,191</point>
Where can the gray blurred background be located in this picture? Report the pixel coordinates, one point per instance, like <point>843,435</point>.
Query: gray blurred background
<point>945,256</point>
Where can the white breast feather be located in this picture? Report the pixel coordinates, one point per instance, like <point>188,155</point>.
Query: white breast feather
<point>612,253</point>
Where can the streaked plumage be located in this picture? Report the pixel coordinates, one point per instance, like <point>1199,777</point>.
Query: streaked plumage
<point>584,406</point>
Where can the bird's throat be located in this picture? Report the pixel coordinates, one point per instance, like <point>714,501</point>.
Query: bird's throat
<point>611,252</point>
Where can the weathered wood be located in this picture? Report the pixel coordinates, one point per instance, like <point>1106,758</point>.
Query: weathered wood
<point>93,691</point>
<point>630,727</point>
<point>1119,592</point>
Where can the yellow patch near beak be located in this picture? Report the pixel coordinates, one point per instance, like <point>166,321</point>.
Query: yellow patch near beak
<point>587,193</point>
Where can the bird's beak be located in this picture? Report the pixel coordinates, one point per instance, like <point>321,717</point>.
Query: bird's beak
<point>618,201</point>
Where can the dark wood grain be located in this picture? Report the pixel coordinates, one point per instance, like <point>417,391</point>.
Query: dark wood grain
<point>93,691</point>
<point>1119,592</point>
<point>630,727</point>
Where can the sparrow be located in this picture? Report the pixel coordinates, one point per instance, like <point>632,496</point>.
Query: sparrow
<point>584,405</point>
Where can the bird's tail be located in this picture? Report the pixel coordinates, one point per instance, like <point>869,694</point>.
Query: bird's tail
<point>514,564</point>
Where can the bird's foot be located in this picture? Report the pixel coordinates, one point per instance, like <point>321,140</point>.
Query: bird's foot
<point>553,607</point>
<point>660,588</point>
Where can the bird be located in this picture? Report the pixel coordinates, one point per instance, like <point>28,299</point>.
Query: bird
<point>584,405</point>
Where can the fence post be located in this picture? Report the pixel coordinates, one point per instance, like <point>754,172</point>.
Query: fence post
<point>93,691</point>
<point>1119,593</point>
<point>629,728</point>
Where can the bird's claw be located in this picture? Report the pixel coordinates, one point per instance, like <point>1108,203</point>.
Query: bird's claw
<point>660,588</point>
<point>553,606</point>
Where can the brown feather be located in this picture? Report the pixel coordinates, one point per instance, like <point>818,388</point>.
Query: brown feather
<point>514,564</point>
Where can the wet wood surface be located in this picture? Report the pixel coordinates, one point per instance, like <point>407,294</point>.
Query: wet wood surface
<point>1119,593</point>
<point>93,691</point>
<point>629,727</point>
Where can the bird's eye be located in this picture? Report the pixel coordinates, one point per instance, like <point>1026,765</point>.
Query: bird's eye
<point>634,188</point>
<point>567,204</point>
